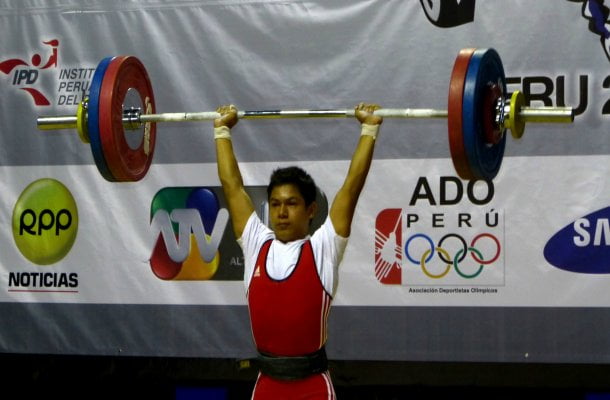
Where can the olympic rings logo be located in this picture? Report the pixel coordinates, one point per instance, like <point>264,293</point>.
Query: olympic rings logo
<point>457,258</point>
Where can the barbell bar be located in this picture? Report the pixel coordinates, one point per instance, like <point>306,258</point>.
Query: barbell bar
<point>133,119</point>
<point>479,114</point>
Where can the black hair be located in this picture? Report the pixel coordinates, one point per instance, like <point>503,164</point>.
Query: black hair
<point>296,176</point>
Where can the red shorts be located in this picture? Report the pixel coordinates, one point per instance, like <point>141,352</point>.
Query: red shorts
<point>314,387</point>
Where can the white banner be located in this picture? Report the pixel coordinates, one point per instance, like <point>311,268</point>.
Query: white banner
<point>530,247</point>
<point>498,231</point>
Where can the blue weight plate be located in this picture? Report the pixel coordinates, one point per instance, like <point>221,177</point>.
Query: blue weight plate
<point>93,114</point>
<point>485,68</point>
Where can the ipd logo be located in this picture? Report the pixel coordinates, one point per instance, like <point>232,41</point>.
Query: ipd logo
<point>45,221</point>
<point>188,224</point>
<point>25,73</point>
<point>582,246</point>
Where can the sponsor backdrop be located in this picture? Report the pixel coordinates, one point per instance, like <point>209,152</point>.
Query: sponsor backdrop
<point>437,269</point>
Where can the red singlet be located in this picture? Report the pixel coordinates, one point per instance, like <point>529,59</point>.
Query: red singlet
<point>289,318</point>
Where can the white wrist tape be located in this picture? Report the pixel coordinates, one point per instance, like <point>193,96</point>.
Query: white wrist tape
<point>222,132</point>
<point>370,130</point>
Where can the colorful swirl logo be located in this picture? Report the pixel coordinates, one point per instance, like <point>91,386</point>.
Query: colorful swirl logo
<point>188,225</point>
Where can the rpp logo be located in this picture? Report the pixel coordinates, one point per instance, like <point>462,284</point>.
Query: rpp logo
<point>45,221</point>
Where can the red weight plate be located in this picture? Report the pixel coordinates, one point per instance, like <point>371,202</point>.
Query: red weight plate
<point>126,163</point>
<point>454,114</point>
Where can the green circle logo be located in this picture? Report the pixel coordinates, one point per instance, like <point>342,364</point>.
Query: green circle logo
<point>45,221</point>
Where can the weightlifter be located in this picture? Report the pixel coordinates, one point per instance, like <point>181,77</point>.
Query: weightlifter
<point>290,276</point>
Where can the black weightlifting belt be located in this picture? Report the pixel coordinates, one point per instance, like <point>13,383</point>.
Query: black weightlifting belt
<point>291,368</point>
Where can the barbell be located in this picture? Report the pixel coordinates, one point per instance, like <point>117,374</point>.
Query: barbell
<point>478,115</point>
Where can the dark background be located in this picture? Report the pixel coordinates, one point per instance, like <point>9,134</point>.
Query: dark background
<point>76,377</point>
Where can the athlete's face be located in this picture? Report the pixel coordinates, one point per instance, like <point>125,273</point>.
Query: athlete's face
<point>288,214</point>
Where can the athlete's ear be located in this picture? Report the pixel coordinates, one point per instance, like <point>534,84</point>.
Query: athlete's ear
<point>312,209</point>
